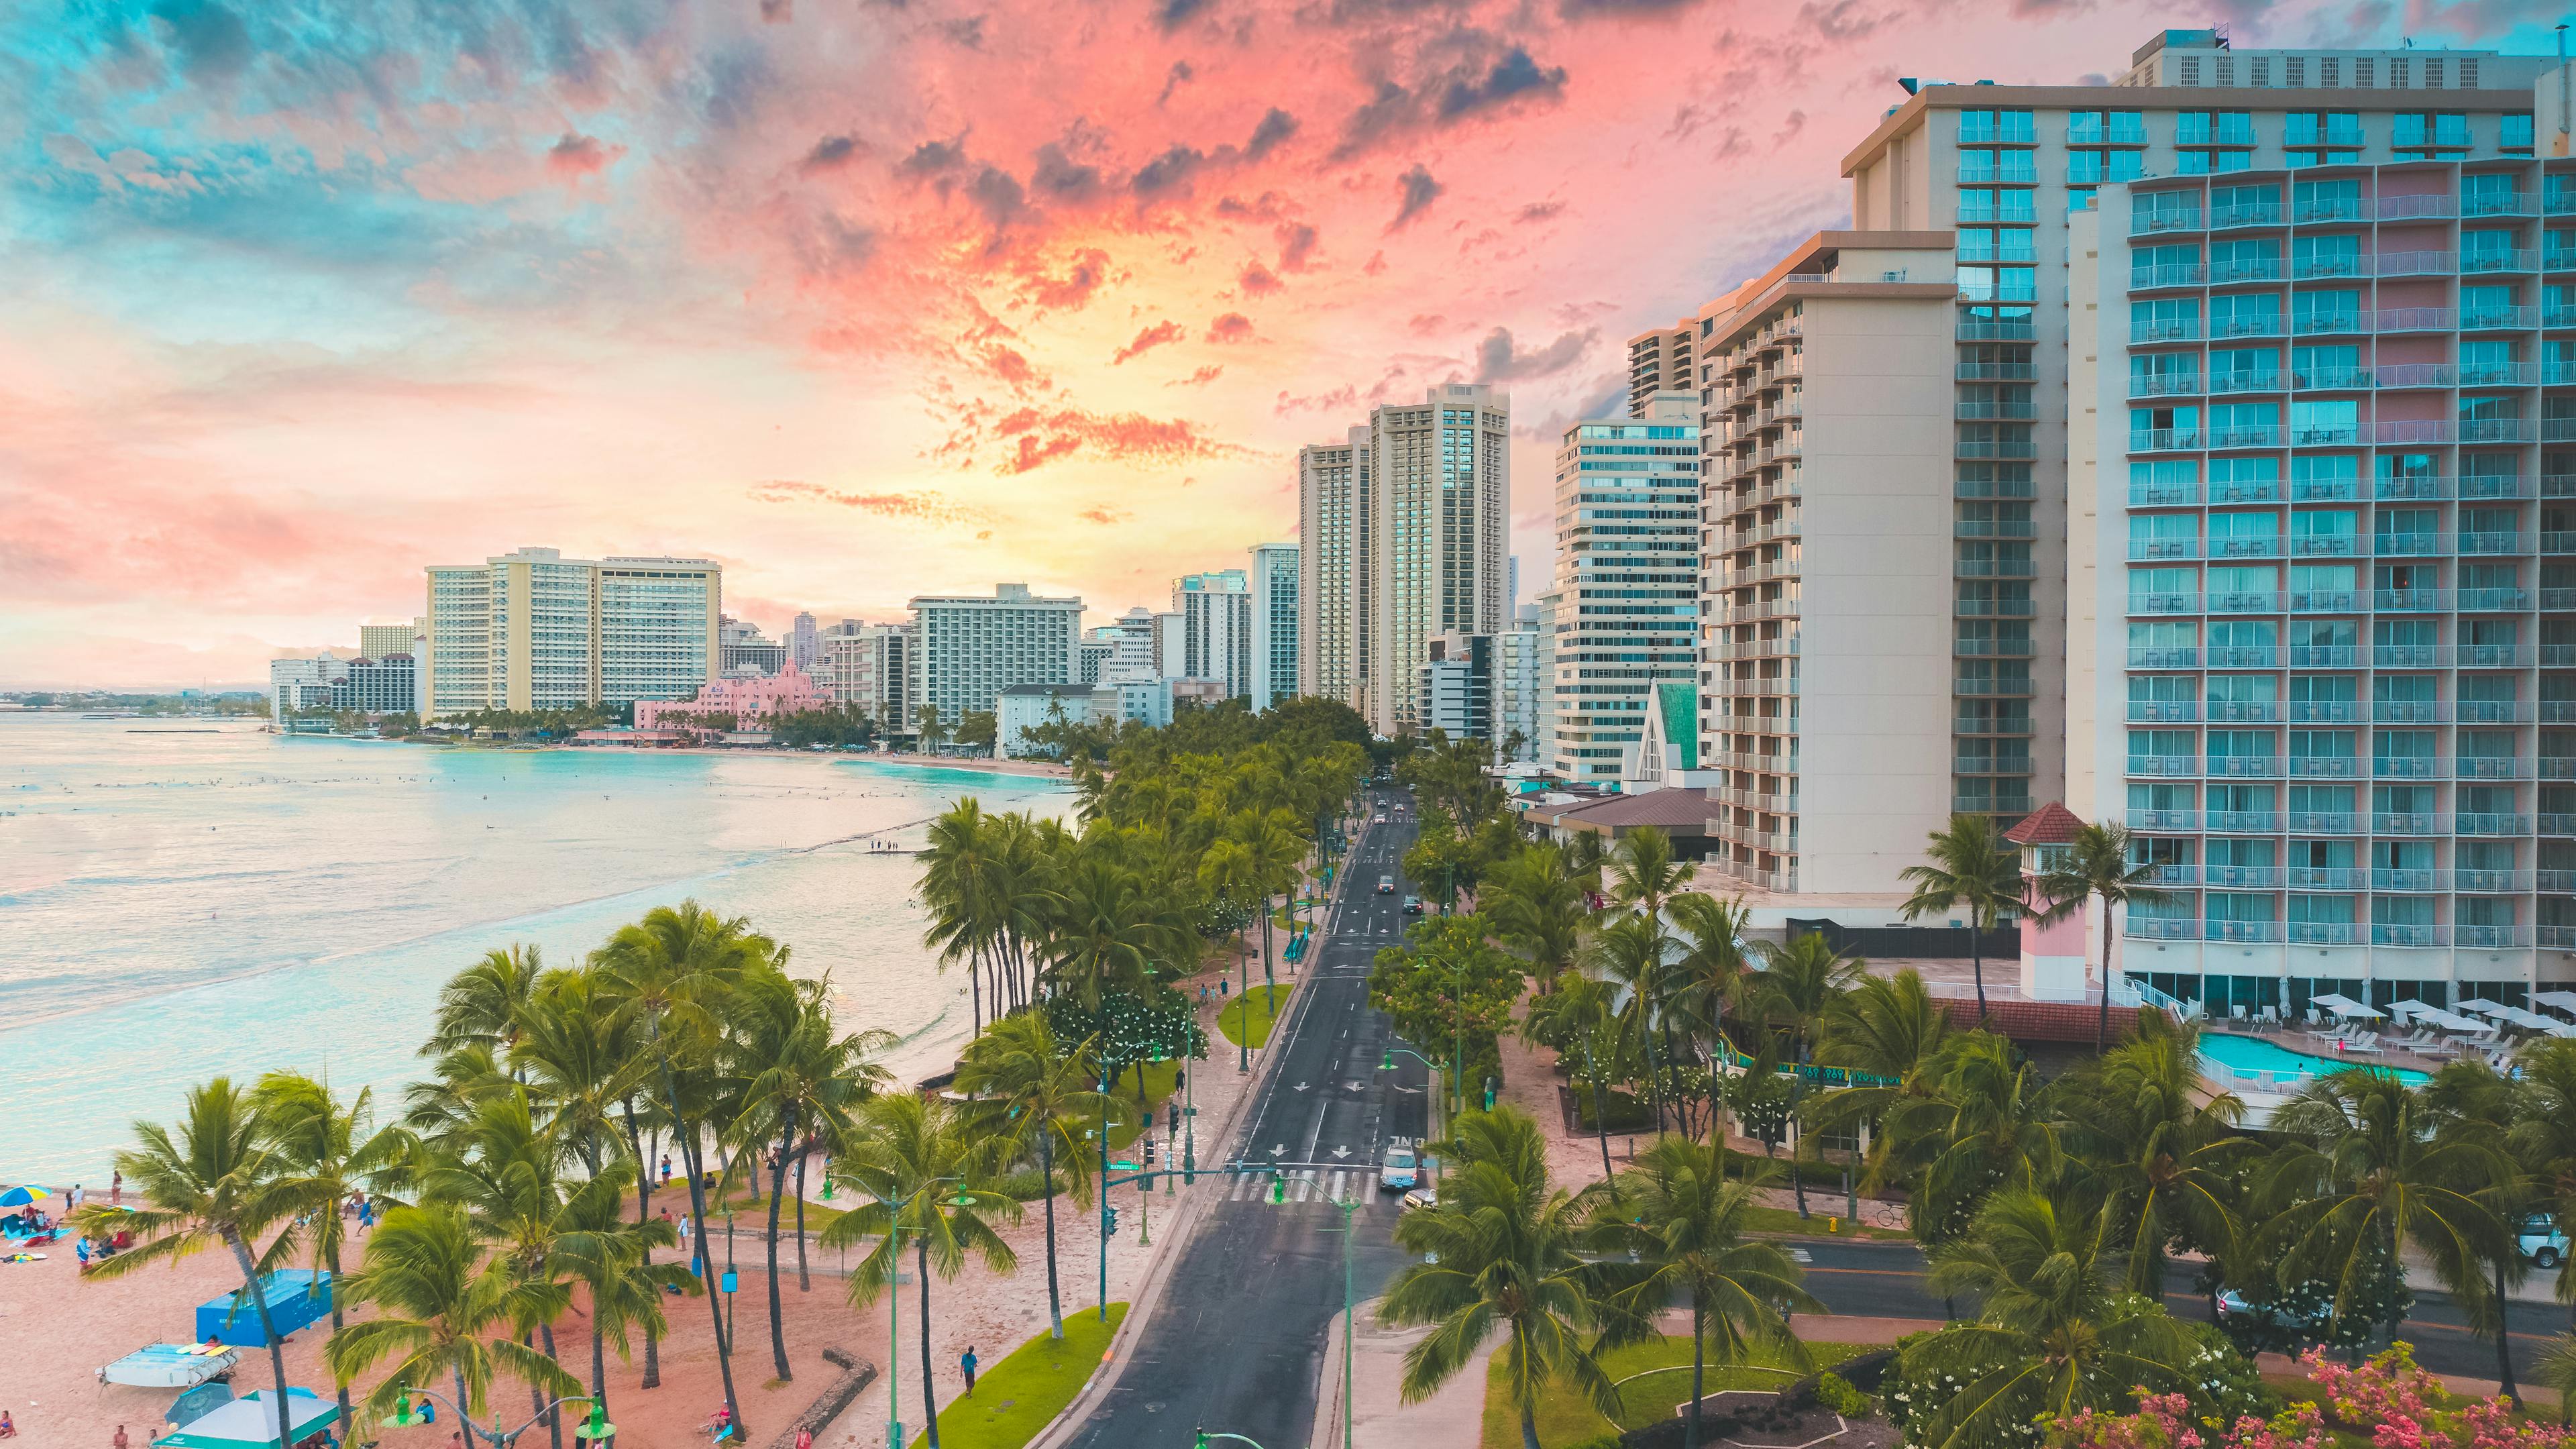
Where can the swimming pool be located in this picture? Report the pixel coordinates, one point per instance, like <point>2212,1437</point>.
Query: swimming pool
<point>2254,1063</point>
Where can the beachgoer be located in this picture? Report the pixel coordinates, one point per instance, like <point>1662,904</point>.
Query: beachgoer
<point>8,1430</point>
<point>666,1169</point>
<point>804,1439</point>
<point>967,1361</point>
<point>366,1212</point>
<point>80,1250</point>
<point>116,1188</point>
<point>684,1232</point>
<point>79,1194</point>
<point>120,1442</point>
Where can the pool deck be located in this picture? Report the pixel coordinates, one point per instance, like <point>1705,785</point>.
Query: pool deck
<point>2307,1043</point>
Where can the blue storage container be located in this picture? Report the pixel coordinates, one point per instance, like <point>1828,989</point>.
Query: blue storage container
<point>297,1298</point>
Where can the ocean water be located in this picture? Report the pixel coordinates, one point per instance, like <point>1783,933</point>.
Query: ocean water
<point>180,899</point>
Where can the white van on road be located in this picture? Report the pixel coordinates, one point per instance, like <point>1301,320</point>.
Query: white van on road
<point>1399,1174</point>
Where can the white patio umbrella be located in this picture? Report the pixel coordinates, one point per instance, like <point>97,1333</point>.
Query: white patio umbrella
<point>2346,1007</point>
<point>2563,1000</point>
<point>2481,1006</point>
<point>2410,1007</point>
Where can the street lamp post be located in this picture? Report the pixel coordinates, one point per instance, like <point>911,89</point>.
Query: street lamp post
<point>1347,1209</point>
<point>1105,1209</point>
<point>894,1300</point>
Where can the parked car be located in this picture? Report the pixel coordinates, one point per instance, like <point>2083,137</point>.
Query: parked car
<point>1386,885</point>
<point>2542,1243</point>
<point>1421,1197</point>
<point>1399,1173</point>
<point>1413,905</point>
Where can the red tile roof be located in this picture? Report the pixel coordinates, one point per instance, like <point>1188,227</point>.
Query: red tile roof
<point>2050,824</point>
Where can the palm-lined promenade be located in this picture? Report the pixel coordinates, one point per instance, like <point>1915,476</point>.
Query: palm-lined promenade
<point>524,1244</point>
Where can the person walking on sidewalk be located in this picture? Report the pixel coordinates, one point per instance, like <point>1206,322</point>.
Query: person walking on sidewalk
<point>967,1362</point>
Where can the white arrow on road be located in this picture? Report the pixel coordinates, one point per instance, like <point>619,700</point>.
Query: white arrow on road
<point>1341,1152</point>
<point>1279,1151</point>
<point>1301,1086</point>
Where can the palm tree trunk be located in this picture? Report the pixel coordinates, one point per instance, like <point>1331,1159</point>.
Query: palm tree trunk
<point>1798,1152</point>
<point>929,1399</point>
<point>2102,1024</point>
<point>1267,979</point>
<point>777,1314</point>
<point>804,1283</point>
<point>1699,1366</point>
<point>1055,1298</point>
<point>331,1264</point>
<point>1529,1427</point>
<point>599,1366</point>
<point>1977,963</point>
<point>975,983</point>
<point>2504,1340</point>
<point>698,1215</point>
<point>643,1215</point>
<point>276,1346</point>
<point>1600,1113</point>
<point>466,1427</point>
<point>553,1417</point>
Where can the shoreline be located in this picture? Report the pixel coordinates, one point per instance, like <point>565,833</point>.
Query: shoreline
<point>991,765</point>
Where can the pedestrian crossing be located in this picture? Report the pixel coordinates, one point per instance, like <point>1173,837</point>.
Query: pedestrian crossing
<point>1311,1184</point>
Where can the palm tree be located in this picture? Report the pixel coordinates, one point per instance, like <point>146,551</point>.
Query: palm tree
<point>1276,848</point>
<point>1971,867</point>
<point>1798,984</point>
<point>2156,1150</point>
<point>1678,1215</point>
<point>927,717</point>
<point>2543,1137</point>
<point>1582,1015</point>
<point>1030,1088</point>
<point>217,1183</point>
<point>509,1182</point>
<point>441,1316</point>
<point>668,971</point>
<point>953,889</point>
<point>1228,872</point>
<point>1642,871</point>
<point>1630,953</point>
<point>2051,1336</point>
<point>1105,936</point>
<point>925,1170</point>
<point>2363,1174</point>
<point>801,1084</point>
<point>2479,1105</point>
<point>325,1152</point>
<point>1536,907</point>
<point>612,1259</point>
<point>1889,1030</point>
<point>481,1005</point>
<point>1983,1128</point>
<point>1505,1250</point>
<point>2097,865</point>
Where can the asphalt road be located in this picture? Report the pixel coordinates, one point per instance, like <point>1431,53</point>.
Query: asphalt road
<point>1236,1342</point>
<point>1885,1280</point>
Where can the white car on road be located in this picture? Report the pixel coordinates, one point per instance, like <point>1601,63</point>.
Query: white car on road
<point>1400,1174</point>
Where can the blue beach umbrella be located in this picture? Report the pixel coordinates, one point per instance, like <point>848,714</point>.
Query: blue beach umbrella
<point>23,1196</point>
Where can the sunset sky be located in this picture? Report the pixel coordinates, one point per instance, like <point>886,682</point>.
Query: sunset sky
<point>863,297</point>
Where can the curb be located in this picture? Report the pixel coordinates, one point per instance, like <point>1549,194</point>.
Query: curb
<point>1149,1294</point>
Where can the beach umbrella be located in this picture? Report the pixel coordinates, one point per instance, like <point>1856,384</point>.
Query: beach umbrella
<point>24,1195</point>
<point>250,1422</point>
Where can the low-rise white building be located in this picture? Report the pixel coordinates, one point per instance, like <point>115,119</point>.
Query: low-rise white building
<point>1022,708</point>
<point>301,686</point>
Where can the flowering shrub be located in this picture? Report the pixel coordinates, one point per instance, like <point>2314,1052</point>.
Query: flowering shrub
<point>2407,1408</point>
<point>2403,1407</point>
<point>2229,1388</point>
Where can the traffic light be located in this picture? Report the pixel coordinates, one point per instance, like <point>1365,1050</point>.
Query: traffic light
<point>1109,1224</point>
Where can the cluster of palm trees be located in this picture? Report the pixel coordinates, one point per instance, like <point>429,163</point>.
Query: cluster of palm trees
<point>2054,1208</point>
<point>1168,852</point>
<point>507,1177</point>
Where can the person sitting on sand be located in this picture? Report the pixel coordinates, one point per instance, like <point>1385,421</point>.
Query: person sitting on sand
<point>8,1430</point>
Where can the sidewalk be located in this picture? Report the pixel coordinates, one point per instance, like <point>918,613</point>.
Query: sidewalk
<point>1453,1418</point>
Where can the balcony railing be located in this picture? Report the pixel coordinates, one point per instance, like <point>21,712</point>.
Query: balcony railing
<point>2165,219</point>
<point>2241,380</point>
<point>2169,329</point>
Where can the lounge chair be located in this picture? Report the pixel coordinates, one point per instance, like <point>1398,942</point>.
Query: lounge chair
<point>2367,1041</point>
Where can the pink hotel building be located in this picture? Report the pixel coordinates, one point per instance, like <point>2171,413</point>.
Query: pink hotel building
<point>749,699</point>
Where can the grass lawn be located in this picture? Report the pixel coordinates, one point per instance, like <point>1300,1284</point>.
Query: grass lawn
<point>1260,1007</point>
<point>1158,1087</point>
<point>1017,1397</point>
<point>1565,1417</point>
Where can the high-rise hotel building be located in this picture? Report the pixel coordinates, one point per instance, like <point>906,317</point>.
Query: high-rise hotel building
<point>1973,189</point>
<point>2322,653</point>
<point>1410,522</point>
<point>535,630</point>
<point>1336,557</point>
<point>1276,616</point>
<point>965,649</point>
<point>1627,579</point>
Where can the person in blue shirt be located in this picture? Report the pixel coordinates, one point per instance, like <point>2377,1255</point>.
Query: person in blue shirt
<point>967,1361</point>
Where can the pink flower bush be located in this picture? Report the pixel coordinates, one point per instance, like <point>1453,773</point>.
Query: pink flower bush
<point>2408,1408</point>
<point>2403,1406</point>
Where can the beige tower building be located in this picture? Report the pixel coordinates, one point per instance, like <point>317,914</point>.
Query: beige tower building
<point>1441,475</point>
<point>1335,555</point>
<point>535,630</point>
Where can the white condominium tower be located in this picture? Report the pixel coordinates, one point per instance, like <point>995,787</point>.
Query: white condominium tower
<point>1275,619</point>
<point>1441,472</point>
<point>1335,558</point>
<point>971,648</point>
<point>1627,577</point>
<point>867,665</point>
<point>1213,613</point>
<point>536,630</point>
